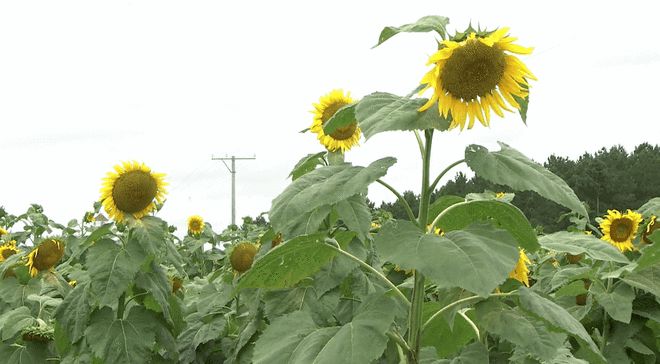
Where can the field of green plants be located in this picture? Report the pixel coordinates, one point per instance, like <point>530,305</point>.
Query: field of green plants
<point>326,278</point>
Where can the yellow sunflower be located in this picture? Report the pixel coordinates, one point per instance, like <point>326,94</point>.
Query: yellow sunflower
<point>650,228</point>
<point>45,256</point>
<point>343,138</point>
<point>475,75</point>
<point>7,250</point>
<point>521,271</point>
<point>132,189</point>
<point>620,229</point>
<point>242,256</point>
<point>195,225</point>
<point>3,232</point>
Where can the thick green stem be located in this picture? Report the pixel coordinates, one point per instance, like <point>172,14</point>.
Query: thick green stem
<point>121,306</point>
<point>420,143</point>
<point>606,319</point>
<point>405,204</point>
<point>373,270</point>
<point>415,318</point>
<point>442,174</point>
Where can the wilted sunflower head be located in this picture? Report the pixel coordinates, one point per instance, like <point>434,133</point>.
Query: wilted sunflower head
<point>343,138</point>
<point>650,228</point>
<point>242,256</point>
<point>132,189</point>
<point>195,225</point>
<point>620,229</point>
<point>45,256</point>
<point>7,250</point>
<point>521,270</point>
<point>471,76</point>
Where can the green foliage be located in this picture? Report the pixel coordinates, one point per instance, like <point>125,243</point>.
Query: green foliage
<point>341,119</point>
<point>578,243</point>
<point>307,164</point>
<point>425,24</point>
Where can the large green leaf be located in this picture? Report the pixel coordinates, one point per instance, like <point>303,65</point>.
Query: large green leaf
<point>307,164</point>
<point>28,353</point>
<point>446,339</point>
<point>618,303</point>
<point>73,313</point>
<point>149,233</point>
<point>506,216</point>
<point>647,280</point>
<point>287,264</point>
<point>126,340</point>
<point>13,321</point>
<point>200,329</point>
<point>527,333</point>
<point>578,243</point>
<point>652,207</point>
<point>112,268</point>
<point>295,338</point>
<point>650,253</point>
<point>556,316</point>
<point>295,209</point>
<point>509,167</point>
<point>155,282</point>
<point>380,112</point>
<point>478,258</point>
<point>441,204</point>
<point>355,213</point>
<point>425,24</point>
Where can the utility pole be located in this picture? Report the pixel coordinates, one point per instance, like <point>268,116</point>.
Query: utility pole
<point>232,170</point>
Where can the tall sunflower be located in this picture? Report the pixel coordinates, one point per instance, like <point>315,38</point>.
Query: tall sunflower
<point>195,225</point>
<point>343,138</point>
<point>521,271</point>
<point>620,229</point>
<point>45,256</point>
<point>132,189</point>
<point>7,250</point>
<point>475,75</point>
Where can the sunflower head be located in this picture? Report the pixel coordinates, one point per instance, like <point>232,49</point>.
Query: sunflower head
<point>132,189</point>
<point>277,240</point>
<point>521,270</point>
<point>242,256</point>
<point>38,333</point>
<point>195,225</point>
<point>7,250</point>
<point>177,284</point>
<point>343,138</point>
<point>620,229</point>
<point>45,256</point>
<point>650,228</point>
<point>475,74</point>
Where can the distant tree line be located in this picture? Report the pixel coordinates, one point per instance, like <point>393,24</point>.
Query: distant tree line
<point>607,179</point>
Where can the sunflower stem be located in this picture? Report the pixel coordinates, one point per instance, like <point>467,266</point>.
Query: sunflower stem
<point>121,306</point>
<point>420,143</point>
<point>415,318</point>
<point>606,320</point>
<point>442,174</point>
<point>335,158</point>
<point>403,201</point>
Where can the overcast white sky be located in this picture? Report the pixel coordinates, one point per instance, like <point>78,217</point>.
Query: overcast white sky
<point>86,84</point>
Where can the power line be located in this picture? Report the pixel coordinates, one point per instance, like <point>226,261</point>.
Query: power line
<point>232,170</point>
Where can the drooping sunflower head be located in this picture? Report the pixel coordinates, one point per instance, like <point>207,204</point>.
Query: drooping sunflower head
<point>45,256</point>
<point>195,225</point>
<point>343,138</point>
<point>132,189</point>
<point>7,250</point>
<point>242,256</point>
<point>475,75</point>
<point>521,270</point>
<point>650,228</point>
<point>620,229</point>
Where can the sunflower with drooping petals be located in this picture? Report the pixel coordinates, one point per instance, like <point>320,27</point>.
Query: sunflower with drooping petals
<point>7,250</point>
<point>473,76</point>
<point>133,190</point>
<point>343,138</point>
<point>45,256</point>
<point>195,225</point>
<point>620,229</point>
<point>521,270</point>
<point>650,228</point>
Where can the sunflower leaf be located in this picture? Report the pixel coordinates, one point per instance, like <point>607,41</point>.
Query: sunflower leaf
<point>73,313</point>
<point>426,24</point>
<point>509,167</point>
<point>505,216</point>
<point>344,117</point>
<point>441,204</point>
<point>307,201</point>
<point>652,207</point>
<point>478,258</point>
<point>287,264</point>
<point>647,280</point>
<point>307,164</point>
<point>380,112</point>
<point>124,340</point>
<point>578,243</point>
<point>355,214</point>
<point>618,303</point>
<point>650,253</point>
<point>112,269</point>
<point>524,105</point>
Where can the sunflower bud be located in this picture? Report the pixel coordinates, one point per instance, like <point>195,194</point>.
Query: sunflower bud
<point>242,256</point>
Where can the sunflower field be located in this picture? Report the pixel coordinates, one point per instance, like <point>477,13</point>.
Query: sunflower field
<point>464,279</point>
